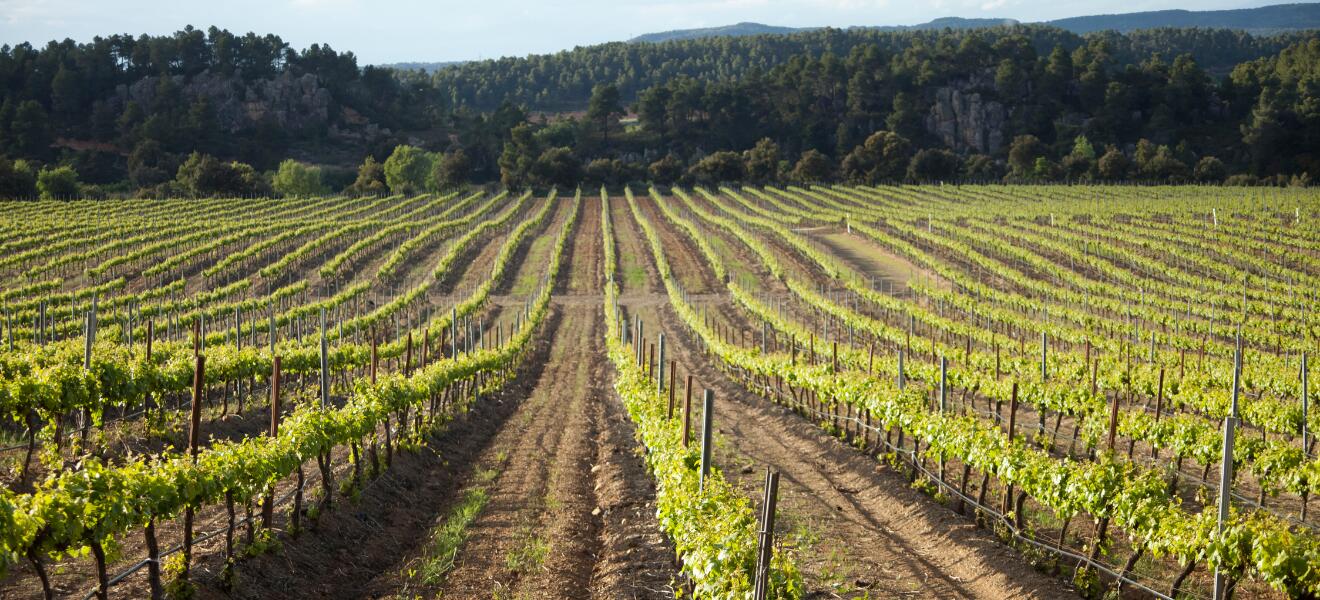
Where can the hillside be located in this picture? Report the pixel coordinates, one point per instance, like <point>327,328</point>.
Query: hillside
<point>1266,19</point>
<point>737,30</point>
<point>428,67</point>
<point>969,93</point>
<point>746,29</point>
<point>1263,20</point>
<point>562,81</point>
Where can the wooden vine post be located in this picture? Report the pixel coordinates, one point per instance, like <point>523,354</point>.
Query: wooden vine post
<point>1012,432</point>
<point>707,420</point>
<point>89,341</point>
<point>766,541</point>
<point>1112,438</point>
<point>1306,408</point>
<point>325,364</point>
<point>153,561</point>
<point>1159,409</point>
<point>1306,433</point>
<point>944,403</point>
<point>194,434</point>
<point>638,339</point>
<point>660,362</point>
<point>673,374</point>
<point>146,395</point>
<point>1221,583</point>
<point>687,412</point>
<point>268,502</point>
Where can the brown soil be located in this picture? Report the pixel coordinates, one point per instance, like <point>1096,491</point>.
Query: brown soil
<point>538,532</point>
<point>585,251</point>
<point>571,513</point>
<point>680,250</point>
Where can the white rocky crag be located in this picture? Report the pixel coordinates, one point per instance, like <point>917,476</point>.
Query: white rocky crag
<point>966,121</point>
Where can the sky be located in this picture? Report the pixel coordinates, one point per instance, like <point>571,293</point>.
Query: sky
<point>386,31</point>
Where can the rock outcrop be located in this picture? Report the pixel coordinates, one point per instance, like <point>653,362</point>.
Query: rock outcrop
<point>290,102</point>
<point>966,121</point>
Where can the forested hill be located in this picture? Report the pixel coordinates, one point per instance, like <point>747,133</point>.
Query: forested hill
<point>736,30</point>
<point>124,105</point>
<point>201,112</point>
<point>429,67</point>
<point>1266,19</point>
<point>1263,20</point>
<point>562,81</point>
<point>745,29</point>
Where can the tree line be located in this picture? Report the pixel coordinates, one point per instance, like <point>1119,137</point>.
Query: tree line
<point>123,115</point>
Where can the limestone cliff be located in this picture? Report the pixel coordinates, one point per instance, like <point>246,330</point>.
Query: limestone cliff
<point>966,120</point>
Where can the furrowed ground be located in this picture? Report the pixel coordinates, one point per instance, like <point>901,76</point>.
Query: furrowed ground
<point>967,392</point>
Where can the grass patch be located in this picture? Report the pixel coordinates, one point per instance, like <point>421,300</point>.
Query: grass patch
<point>873,260</point>
<point>634,276</point>
<point>633,273</point>
<point>801,534</point>
<point>630,265</point>
<point>737,268</point>
<point>530,553</point>
<point>532,266</point>
<point>449,537</point>
<point>485,476</point>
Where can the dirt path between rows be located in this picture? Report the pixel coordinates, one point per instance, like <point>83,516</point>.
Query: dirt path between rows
<point>540,535</point>
<point>571,512</point>
<point>537,531</point>
<point>355,550</point>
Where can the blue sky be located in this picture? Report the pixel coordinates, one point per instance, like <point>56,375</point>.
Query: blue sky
<point>381,31</point>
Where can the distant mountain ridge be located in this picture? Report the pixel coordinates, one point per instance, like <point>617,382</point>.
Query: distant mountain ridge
<point>735,30</point>
<point>1262,20</point>
<point>1266,19</point>
<point>429,67</point>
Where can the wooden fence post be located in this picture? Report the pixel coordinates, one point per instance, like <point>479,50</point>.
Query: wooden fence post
<point>267,503</point>
<point>1220,589</point>
<point>1159,408</point>
<point>765,547</point>
<point>1225,494</point>
<point>660,365</point>
<point>1306,408</point>
<point>325,364</point>
<point>1044,349</point>
<point>707,419</point>
<point>687,412</point>
<point>194,433</point>
<point>902,378</point>
<point>944,385</point>
<point>673,374</point>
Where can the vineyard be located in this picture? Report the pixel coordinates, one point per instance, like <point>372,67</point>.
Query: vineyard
<point>733,392</point>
